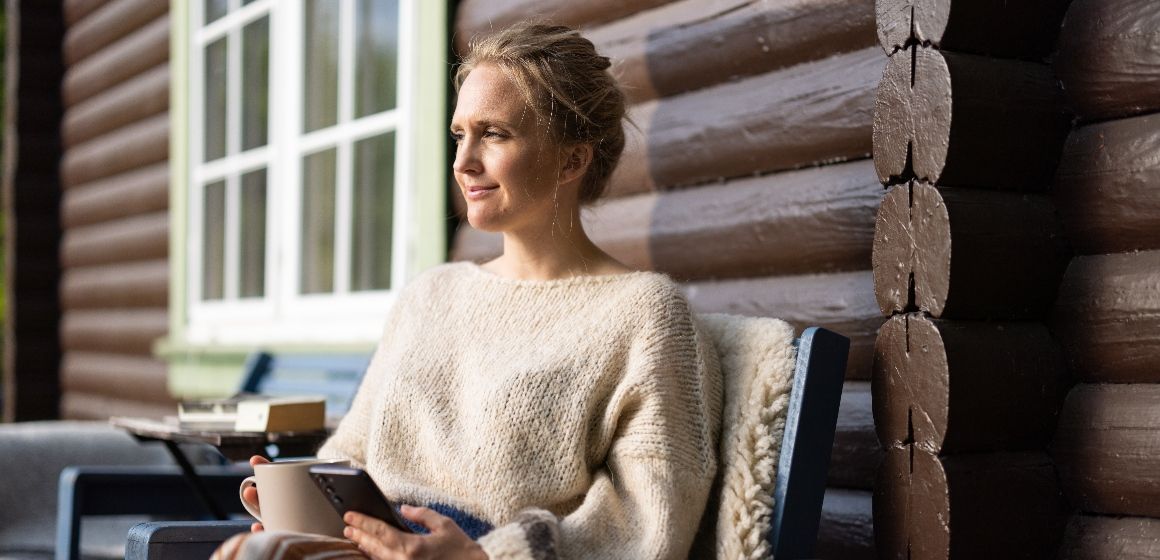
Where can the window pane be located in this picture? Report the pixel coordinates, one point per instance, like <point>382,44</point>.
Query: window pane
<point>320,104</point>
<point>215,9</point>
<point>215,100</point>
<point>213,249</point>
<point>252,269</point>
<point>255,82</point>
<point>376,54</point>
<point>317,268</point>
<point>373,197</point>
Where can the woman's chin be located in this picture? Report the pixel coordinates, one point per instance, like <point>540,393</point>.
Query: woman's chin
<point>484,221</point>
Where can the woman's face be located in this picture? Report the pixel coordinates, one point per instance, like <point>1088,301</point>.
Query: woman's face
<point>507,168</point>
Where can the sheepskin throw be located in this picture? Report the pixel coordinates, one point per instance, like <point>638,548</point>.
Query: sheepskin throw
<point>757,361</point>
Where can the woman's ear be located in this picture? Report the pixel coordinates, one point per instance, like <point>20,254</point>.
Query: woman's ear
<point>576,159</point>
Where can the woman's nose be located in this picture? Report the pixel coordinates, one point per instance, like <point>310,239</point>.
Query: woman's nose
<point>466,159</point>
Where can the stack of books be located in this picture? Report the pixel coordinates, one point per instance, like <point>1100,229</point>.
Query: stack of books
<point>254,413</point>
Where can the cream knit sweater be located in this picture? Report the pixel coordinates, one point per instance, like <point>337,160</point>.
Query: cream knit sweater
<point>577,416</point>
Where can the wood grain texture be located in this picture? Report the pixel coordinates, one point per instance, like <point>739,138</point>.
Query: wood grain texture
<point>1001,505</point>
<point>854,461</point>
<point>1107,317</point>
<point>76,10</point>
<point>137,145</point>
<point>140,378</point>
<point>842,302</point>
<point>1109,57</point>
<point>88,406</point>
<point>137,238</point>
<point>967,253</point>
<point>112,21</point>
<point>142,190</point>
<point>813,113</point>
<point>114,331</point>
<point>1000,28</point>
<point>1106,186</point>
<point>137,52</point>
<point>961,120</point>
<point>1108,448</point>
<point>961,387</point>
<point>136,99</point>
<point>481,17</point>
<point>1095,537</point>
<point>846,529</point>
<point>692,44</point>
<point>122,285</point>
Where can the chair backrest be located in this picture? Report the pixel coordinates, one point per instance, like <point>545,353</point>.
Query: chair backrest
<point>335,376</point>
<point>819,371</point>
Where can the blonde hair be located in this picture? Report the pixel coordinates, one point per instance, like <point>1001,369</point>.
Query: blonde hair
<point>566,84</point>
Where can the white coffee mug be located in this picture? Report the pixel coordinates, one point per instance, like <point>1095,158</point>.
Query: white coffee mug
<point>290,501</point>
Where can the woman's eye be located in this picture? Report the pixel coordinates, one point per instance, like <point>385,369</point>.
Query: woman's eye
<point>492,133</point>
<point>457,137</point>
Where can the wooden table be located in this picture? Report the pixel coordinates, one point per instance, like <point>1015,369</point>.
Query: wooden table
<point>234,445</point>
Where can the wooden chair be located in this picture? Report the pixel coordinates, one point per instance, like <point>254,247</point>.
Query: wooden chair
<point>164,490</point>
<point>800,481</point>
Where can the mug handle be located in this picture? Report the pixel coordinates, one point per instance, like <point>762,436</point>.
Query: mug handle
<point>254,510</point>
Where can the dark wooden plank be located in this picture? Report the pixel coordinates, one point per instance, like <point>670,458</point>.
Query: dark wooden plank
<point>114,20</point>
<point>480,17</point>
<point>1108,448</point>
<point>118,331</point>
<point>138,238</point>
<point>856,453</point>
<point>137,52</point>
<point>140,144</point>
<point>1001,28</point>
<point>121,285</point>
<point>138,378</point>
<point>692,44</point>
<point>136,99</point>
<point>961,386</point>
<point>1106,186</point>
<point>76,10</point>
<point>967,253</point>
<point>1095,537</point>
<point>963,120</point>
<point>846,531</point>
<point>965,507</point>
<point>1107,317</point>
<point>142,190</point>
<point>813,113</point>
<point>1108,58</point>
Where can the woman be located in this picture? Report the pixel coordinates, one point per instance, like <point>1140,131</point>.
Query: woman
<point>550,402</point>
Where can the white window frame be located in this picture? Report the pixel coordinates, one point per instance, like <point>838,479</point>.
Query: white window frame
<point>283,315</point>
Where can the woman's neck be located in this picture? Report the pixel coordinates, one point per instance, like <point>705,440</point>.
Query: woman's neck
<point>560,252</point>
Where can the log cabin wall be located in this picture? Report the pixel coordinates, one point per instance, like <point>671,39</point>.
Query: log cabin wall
<point>748,179</point>
<point>1107,315</point>
<point>114,211</point>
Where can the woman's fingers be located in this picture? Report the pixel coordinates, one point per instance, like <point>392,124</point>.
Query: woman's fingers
<point>428,518</point>
<point>257,460</point>
<point>373,535</point>
<point>256,527</point>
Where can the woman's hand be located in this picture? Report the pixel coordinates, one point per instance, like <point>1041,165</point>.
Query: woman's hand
<point>383,542</point>
<point>250,495</point>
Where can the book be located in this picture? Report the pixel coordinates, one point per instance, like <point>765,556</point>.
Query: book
<point>281,414</point>
<point>209,414</point>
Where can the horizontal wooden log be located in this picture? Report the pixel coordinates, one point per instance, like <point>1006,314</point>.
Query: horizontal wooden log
<point>1002,505</point>
<point>841,302</point>
<point>136,99</point>
<point>119,331</point>
<point>1109,57</point>
<point>86,406</point>
<point>691,44</point>
<point>961,120</point>
<point>76,10</point>
<point>1108,448</point>
<point>480,17</point>
<point>967,253</point>
<point>1107,317</point>
<point>813,113</point>
<point>111,22</point>
<point>138,238</point>
<point>1094,537</point>
<point>846,528</point>
<point>140,191</point>
<point>137,145</point>
<point>114,375</point>
<point>1106,186</point>
<point>854,461</point>
<point>143,49</point>
<point>1001,28</point>
<point>129,285</point>
<point>959,386</point>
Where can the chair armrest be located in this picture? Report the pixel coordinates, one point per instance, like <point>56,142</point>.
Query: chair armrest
<point>180,540</point>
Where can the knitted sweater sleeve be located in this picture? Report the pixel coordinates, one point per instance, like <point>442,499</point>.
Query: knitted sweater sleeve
<point>648,493</point>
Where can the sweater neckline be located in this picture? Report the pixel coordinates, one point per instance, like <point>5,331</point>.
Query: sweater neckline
<point>582,280</point>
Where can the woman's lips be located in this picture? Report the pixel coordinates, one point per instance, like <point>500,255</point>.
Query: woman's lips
<point>476,193</point>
